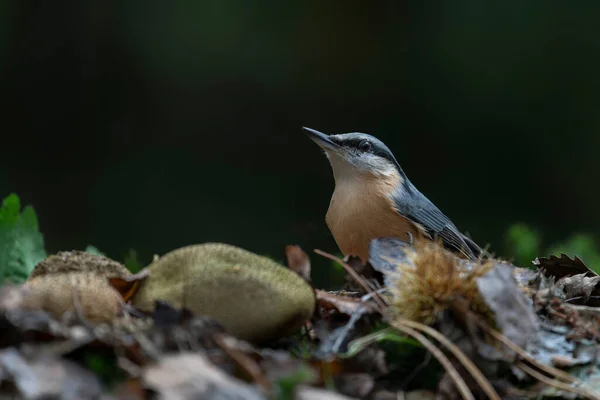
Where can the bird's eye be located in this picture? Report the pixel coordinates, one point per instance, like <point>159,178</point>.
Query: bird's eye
<point>365,145</point>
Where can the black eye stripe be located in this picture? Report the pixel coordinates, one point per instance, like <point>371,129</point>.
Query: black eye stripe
<point>373,148</point>
<point>351,142</point>
<point>356,143</point>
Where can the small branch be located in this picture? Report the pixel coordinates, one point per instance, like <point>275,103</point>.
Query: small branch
<point>380,303</point>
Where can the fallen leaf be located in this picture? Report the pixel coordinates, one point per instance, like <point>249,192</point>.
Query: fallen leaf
<point>386,253</point>
<point>248,366</point>
<point>131,389</point>
<point>12,296</point>
<point>48,377</point>
<point>524,276</point>
<point>298,261</point>
<point>334,339</point>
<point>552,345</point>
<point>127,286</point>
<point>165,316</point>
<point>357,384</point>
<point>585,314</point>
<point>563,266</point>
<point>344,304</point>
<point>191,376</point>
<point>310,393</point>
<point>578,286</point>
<point>513,311</point>
<point>174,329</point>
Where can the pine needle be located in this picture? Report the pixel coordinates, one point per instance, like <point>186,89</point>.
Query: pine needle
<point>465,361</point>
<point>460,383</point>
<point>555,383</point>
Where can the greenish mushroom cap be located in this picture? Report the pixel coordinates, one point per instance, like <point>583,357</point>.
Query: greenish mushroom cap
<point>252,296</point>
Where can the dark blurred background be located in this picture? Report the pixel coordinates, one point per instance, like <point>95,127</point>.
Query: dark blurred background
<point>152,125</point>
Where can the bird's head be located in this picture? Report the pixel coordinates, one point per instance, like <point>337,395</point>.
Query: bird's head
<point>355,154</point>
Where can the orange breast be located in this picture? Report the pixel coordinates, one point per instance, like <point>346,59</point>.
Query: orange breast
<point>361,211</point>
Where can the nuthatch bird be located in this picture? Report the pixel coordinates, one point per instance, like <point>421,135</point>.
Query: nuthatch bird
<point>373,198</point>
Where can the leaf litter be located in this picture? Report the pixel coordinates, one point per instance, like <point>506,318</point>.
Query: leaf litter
<point>414,322</point>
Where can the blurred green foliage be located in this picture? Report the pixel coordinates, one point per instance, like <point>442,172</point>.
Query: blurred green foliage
<point>580,245</point>
<point>132,262</point>
<point>94,250</point>
<point>525,244</point>
<point>336,277</point>
<point>21,243</point>
<point>285,386</point>
<point>105,366</point>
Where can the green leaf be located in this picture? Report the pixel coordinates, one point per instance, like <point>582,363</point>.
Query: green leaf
<point>21,243</point>
<point>523,244</point>
<point>386,334</point>
<point>93,250</point>
<point>284,387</point>
<point>132,262</point>
<point>9,213</point>
<point>105,366</point>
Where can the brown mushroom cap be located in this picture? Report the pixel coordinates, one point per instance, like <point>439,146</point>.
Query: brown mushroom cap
<point>67,277</point>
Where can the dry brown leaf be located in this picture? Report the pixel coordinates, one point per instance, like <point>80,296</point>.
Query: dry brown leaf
<point>580,285</point>
<point>344,304</point>
<point>127,286</point>
<point>562,266</point>
<point>131,389</point>
<point>298,261</point>
<point>248,366</point>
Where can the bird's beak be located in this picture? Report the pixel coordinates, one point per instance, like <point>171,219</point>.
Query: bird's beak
<point>321,139</point>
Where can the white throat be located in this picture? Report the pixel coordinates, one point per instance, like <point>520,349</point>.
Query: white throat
<point>355,167</point>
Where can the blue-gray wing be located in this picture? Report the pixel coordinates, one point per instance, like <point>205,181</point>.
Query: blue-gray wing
<point>419,209</point>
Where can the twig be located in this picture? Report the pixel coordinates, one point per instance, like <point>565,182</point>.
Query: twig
<point>356,277</point>
<point>142,340</point>
<point>558,314</point>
